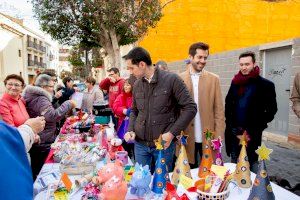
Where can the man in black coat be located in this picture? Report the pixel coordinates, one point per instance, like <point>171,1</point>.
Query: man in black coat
<point>161,105</point>
<point>249,105</point>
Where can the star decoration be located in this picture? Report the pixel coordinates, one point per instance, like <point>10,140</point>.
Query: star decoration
<point>159,143</point>
<point>208,134</point>
<point>263,152</point>
<point>244,138</point>
<point>217,144</point>
<point>182,138</point>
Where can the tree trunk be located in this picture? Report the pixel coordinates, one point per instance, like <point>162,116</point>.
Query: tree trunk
<point>116,48</point>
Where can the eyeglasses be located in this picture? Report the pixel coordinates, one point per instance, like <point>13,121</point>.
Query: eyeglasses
<point>17,85</point>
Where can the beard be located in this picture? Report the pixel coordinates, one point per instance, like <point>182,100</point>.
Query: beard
<point>197,67</point>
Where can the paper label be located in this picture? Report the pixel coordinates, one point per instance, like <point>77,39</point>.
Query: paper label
<point>186,182</point>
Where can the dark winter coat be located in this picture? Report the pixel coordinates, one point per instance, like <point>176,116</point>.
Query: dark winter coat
<point>38,103</point>
<point>261,108</point>
<point>160,106</point>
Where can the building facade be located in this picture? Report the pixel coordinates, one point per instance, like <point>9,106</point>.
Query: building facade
<point>23,51</point>
<point>224,24</point>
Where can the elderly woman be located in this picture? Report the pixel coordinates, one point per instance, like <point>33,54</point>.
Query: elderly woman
<point>12,106</point>
<point>92,96</point>
<point>38,103</point>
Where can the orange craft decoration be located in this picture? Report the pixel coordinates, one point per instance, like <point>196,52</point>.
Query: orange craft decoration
<point>206,161</point>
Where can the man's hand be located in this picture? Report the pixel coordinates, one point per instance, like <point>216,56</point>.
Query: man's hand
<point>129,136</point>
<point>112,79</point>
<point>58,94</point>
<point>37,124</point>
<point>73,104</point>
<point>167,137</point>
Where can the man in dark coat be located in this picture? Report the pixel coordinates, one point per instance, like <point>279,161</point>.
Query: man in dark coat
<point>161,105</point>
<point>249,105</point>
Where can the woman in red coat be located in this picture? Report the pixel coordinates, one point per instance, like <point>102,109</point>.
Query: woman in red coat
<point>121,108</point>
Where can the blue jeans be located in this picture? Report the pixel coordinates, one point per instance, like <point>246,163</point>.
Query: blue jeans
<point>145,155</point>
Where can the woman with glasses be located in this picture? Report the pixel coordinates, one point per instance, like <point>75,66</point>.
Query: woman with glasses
<point>12,105</point>
<point>38,103</point>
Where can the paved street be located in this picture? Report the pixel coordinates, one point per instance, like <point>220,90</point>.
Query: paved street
<point>284,163</point>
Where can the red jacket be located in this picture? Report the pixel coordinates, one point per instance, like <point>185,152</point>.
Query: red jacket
<point>114,89</point>
<point>13,111</point>
<point>123,101</point>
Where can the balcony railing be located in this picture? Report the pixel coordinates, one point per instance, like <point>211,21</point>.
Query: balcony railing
<point>30,63</point>
<point>36,46</point>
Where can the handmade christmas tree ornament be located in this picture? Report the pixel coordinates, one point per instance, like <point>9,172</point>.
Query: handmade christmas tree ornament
<point>217,146</point>
<point>262,188</point>
<point>206,161</point>
<point>182,166</point>
<point>161,176</point>
<point>242,171</point>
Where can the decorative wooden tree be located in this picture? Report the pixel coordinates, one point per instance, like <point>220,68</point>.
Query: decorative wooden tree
<point>242,171</point>
<point>262,188</point>
<point>182,166</point>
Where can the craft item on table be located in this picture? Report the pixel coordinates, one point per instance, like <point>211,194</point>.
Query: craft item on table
<point>82,182</point>
<point>216,185</point>
<point>114,189</point>
<point>114,146</point>
<point>186,182</point>
<point>262,188</point>
<point>46,179</point>
<point>61,194</point>
<point>66,181</point>
<point>161,175</point>
<point>141,178</point>
<point>219,171</point>
<point>128,172</point>
<point>191,192</point>
<point>227,179</point>
<point>122,156</point>
<point>242,171</point>
<point>182,164</point>
<point>110,133</point>
<point>217,146</point>
<point>91,192</point>
<point>107,171</point>
<point>206,161</point>
<point>172,193</point>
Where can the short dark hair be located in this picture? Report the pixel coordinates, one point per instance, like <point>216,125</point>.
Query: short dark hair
<point>49,72</point>
<point>90,80</point>
<point>199,45</point>
<point>114,69</point>
<point>248,53</point>
<point>66,79</point>
<point>137,55</point>
<point>14,76</point>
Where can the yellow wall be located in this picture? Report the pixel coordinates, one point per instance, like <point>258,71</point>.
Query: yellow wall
<point>224,24</point>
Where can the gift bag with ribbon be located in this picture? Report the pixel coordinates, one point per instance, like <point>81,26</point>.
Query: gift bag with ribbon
<point>123,128</point>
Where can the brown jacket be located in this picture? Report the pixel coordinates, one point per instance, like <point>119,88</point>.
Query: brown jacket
<point>160,106</point>
<point>210,107</point>
<point>295,97</point>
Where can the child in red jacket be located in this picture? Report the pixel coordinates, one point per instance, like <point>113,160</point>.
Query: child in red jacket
<point>122,108</point>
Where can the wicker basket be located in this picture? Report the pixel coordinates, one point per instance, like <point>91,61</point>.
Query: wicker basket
<point>213,196</point>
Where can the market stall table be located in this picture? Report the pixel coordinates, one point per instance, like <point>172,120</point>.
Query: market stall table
<point>235,192</point>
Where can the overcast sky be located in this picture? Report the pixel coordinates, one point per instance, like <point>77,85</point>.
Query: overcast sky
<point>20,9</point>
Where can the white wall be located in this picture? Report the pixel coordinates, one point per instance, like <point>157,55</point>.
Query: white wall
<point>10,62</point>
